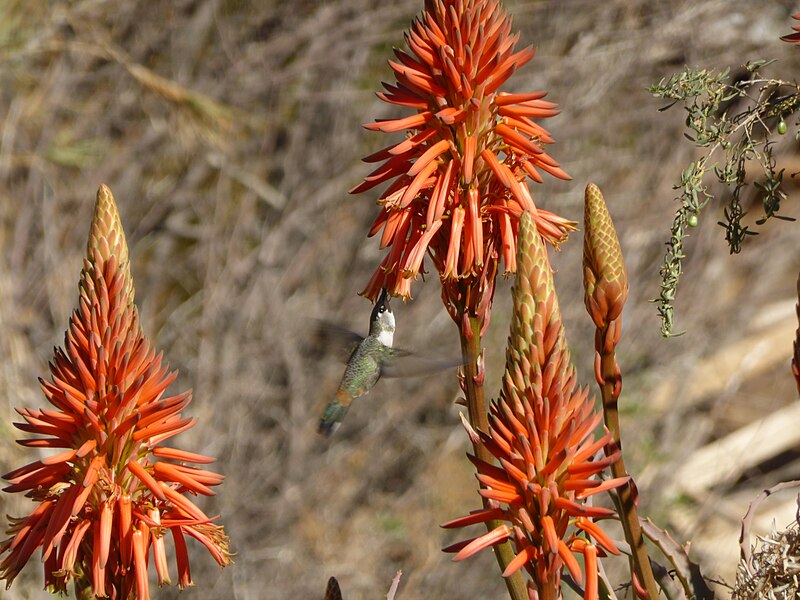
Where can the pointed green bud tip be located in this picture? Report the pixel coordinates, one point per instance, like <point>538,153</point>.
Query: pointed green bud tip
<point>531,251</point>
<point>107,239</point>
<point>605,280</point>
<point>536,328</point>
<point>534,281</point>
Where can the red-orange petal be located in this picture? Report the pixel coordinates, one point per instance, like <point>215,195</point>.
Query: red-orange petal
<point>523,556</point>
<point>415,140</point>
<point>125,530</point>
<point>411,101</point>
<point>165,471</point>
<point>65,456</point>
<point>508,247</point>
<point>392,125</point>
<point>504,98</point>
<point>182,503</point>
<point>148,480</point>
<point>59,522</point>
<point>549,533</point>
<point>413,260</point>
<point>570,561</point>
<point>159,549</point>
<point>140,565</point>
<point>478,516</point>
<point>470,148</point>
<point>530,128</point>
<point>501,496</point>
<point>579,510</point>
<point>608,484</point>
<point>42,513</point>
<point>71,550</point>
<point>504,175</point>
<point>106,522</point>
<point>396,222</point>
<point>159,432</point>
<point>429,155</point>
<point>600,536</point>
<point>518,111</point>
<point>440,202</point>
<point>450,116</point>
<point>210,546</point>
<point>201,475</point>
<point>85,448</point>
<point>517,140</point>
<point>476,225</point>
<point>182,455</point>
<point>555,171</point>
<point>496,484</point>
<point>496,536</point>
<point>420,180</point>
<point>181,558</point>
<point>454,247</point>
<point>590,561</point>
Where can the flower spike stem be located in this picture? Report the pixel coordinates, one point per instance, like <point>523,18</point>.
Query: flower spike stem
<point>605,283</point>
<point>796,345</point>
<point>610,386</point>
<point>479,419</point>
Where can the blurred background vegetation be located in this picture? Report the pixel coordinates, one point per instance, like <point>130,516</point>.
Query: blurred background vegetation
<point>229,132</point>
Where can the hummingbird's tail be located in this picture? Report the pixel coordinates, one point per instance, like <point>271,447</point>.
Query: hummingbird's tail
<point>334,413</point>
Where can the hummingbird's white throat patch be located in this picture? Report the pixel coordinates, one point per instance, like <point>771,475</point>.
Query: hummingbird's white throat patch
<point>386,334</point>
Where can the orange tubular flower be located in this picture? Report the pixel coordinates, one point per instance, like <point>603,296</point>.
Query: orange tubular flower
<point>793,38</point>
<point>104,501</point>
<point>457,178</point>
<point>541,433</point>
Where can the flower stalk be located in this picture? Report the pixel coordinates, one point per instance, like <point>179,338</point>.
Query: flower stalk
<point>796,342</point>
<point>472,385</point>
<point>541,465</point>
<point>457,184</point>
<point>606,290</point>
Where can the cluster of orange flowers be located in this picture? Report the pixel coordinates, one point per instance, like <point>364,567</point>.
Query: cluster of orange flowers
<point>458,178</point>
<point>107,499</point>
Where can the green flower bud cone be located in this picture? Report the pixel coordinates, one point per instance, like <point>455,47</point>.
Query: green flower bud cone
<point>107,239</point>
<point>605,280</point>
<point>537,332</point>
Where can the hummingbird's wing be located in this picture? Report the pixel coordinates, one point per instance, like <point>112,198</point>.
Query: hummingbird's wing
<point>330,335</point>
<point>403,363</point>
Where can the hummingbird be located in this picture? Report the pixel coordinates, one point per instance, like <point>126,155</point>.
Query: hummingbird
<point>369,360</point>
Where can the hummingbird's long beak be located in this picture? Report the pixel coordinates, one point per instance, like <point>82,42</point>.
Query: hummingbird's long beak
<point>383,299</point>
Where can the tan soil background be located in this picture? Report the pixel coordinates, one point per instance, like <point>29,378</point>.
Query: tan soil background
<point>229,132</point>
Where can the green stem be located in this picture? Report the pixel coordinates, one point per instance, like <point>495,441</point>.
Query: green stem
<point>627,505</point>
<point>479,419</point>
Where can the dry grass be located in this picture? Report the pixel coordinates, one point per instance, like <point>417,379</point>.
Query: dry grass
<point>229,132</point>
